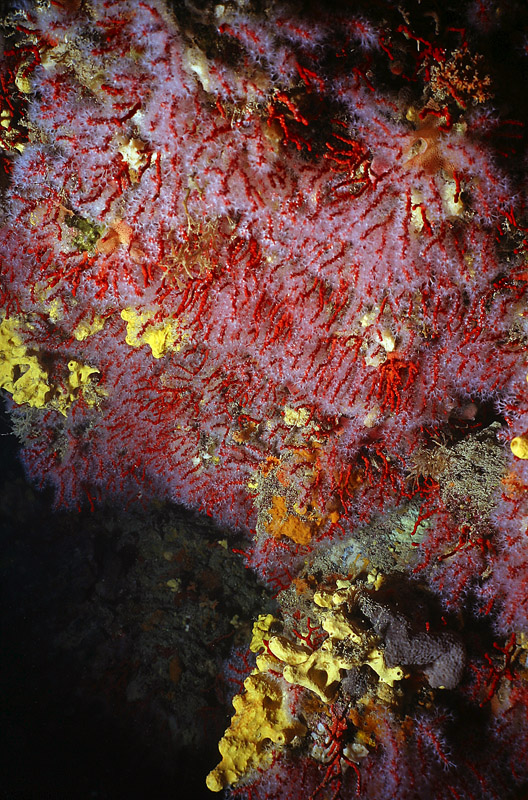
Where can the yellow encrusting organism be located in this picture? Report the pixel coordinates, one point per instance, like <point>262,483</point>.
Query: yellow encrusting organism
<point>262,715</point>
<point>519,447</point>
<point>22,375</point>
<point>87,328</point>
<point>261,631</point>
<point>160,338</point>
<point>322,669</point>
<point>261,718</point>
<point>20,372</point>
<point>78,379</point>
<point>296,417</point>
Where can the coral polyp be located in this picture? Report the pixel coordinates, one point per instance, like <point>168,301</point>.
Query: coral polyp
<point>271,265</point>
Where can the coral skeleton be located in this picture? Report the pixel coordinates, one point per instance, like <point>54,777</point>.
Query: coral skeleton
<point>271,265</point>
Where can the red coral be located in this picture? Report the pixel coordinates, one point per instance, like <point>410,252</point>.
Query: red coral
<point>304,240</point>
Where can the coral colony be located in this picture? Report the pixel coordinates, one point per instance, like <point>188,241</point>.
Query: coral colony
<point>268,264</point>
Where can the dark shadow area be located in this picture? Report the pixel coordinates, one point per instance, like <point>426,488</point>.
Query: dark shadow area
<point>111,675</point>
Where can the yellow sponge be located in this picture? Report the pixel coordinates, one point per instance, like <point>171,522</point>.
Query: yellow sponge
<point>22,375</point>
<point>261,718</point>
<point>160,338</point>
<point>519,447</point>
<point>20,371</point>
